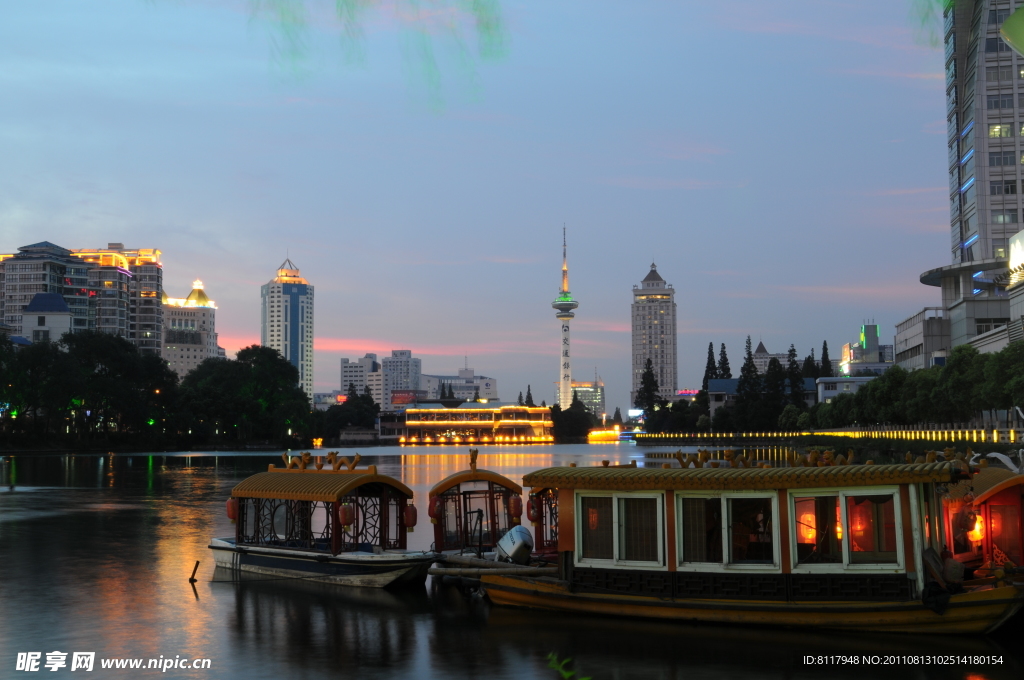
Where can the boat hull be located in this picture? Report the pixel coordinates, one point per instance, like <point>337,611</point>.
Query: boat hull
<point>387,569</point>
<point>980,611</point>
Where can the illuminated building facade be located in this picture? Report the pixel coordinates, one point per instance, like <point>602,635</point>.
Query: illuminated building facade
<point>287,320</point>
<point>143,321</point>
<point>591,393</point>
<point>654,334</point>
<point>866,355</point>
<point>468,424</point>
<point>44,267</point>
<point>190,330</point>
<point>563,306</point>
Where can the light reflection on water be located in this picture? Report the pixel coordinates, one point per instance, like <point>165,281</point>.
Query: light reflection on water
<point>96,552</point>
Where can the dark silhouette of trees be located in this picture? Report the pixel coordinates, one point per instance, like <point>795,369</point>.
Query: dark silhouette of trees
<point>723,364</point>
<point>647,397</point>
<point>710,369</point>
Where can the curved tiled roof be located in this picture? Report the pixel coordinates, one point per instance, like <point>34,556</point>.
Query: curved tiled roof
<point>311,485</point>
<point>473,476</point>
<point>636,479</point>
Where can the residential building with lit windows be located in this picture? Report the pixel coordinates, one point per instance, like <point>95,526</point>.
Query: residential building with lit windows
<point>654,334</point>
<point>190,330</point>
<point>113,290</point>
<point>286,320</point>
<point>144,321</point>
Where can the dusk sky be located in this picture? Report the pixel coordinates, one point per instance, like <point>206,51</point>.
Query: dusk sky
<point>782,163</point>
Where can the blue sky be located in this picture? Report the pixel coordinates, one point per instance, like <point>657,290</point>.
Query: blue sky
<point>783,163</point>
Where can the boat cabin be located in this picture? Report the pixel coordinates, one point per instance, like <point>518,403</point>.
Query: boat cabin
<point>473,509</point>
<point>323,510</point>
<point>983,519</point>
<point>802,533</point>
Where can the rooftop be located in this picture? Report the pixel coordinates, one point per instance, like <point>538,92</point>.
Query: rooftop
<point>47,303</point>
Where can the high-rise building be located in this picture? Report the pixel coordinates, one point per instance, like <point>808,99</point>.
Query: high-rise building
<point>654,333</point>
<point>401,371</point>
<point>984,90</point>
<point>190,330</point>
<point>563,306</point>
<point>354,373</point>
<point>44,268</point>
<point>287,320</point>
<point>144,321</point>
<point>590,392</point>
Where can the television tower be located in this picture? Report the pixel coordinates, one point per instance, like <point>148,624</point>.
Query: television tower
<point>563,306</point>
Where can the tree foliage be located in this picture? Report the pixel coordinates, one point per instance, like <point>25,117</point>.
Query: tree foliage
<point>723,364</point>
<point>647,397</point>
<point>710,369</point>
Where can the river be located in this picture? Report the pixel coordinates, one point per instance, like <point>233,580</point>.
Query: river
<point>96,552</point>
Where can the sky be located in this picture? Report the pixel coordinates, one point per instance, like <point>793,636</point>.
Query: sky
<point>782,163</point>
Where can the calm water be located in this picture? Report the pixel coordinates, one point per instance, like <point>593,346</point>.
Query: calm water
<point>96,551</point>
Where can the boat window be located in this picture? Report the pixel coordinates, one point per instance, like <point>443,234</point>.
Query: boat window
<point>280,521</point>
<point>1004,521</point>
<point>819,530</point>
<point>750,531</point>
<point>638,529</point>
<point>702,529</point>
<point>872,529</point>
<point>596,527</point>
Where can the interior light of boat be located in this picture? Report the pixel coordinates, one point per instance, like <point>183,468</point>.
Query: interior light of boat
<point>839,531</point>
<point>592,518</point>
<point>978,532</point>
<point>808,530</point>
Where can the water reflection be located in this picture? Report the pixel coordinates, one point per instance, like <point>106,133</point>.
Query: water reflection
<point>97,551</point>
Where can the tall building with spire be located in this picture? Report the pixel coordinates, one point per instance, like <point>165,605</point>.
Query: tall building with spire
<point>563,307</point>
<point>287,320</point>
<point>654,333</point>
<point>190,330</point>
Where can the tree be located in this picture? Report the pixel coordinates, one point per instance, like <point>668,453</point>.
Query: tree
<point>789,418</point>
<point>647,397</point>
<point>810,368</point>
<point>773,398</point>
<point>476,394</point>
<point>617,417</point>
<point>826,363</point>
<point>748,392</point>
<point>521,402</point>
<point>574,423</point>
<point>710,370</point>
<point>529,397</point>
<point>724,372</point>
<point>796,380</point>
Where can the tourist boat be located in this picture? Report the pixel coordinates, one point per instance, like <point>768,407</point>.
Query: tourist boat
<point>983,520</point>
<point>471,510</point>
<point>334,524</point>
<point>838,546</point>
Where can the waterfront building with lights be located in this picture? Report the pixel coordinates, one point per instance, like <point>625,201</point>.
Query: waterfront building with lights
<point>190,334</point>
<point>469,423</point>
<point>563,306</point>
<point>654,334</point>
<point>286,320</point>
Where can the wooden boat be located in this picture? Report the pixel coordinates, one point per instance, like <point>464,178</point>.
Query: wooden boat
<point>337,525</point>
<point>845,546</point>
<point>473,509</point>
<point>983,520</point>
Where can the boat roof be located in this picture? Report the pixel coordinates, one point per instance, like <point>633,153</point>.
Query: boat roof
<point>312,485</point>
<point>473,476</point>
<point>646,479</point>
<point>988,482</point>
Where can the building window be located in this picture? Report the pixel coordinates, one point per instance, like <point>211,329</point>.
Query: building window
<point>993,73</point>
<point>40,336</point>
<point>996,45</point>
<point>1000,101</point>
<point>999,247</point>
<point>41,321</point>
<point>1002,187</point>
<point>1004,216</point>
<point>1000,130</point>
<point>1002,158</point>
<point>998,16</point>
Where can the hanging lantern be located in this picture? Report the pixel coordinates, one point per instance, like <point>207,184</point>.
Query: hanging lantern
<point>534,511</point>
<point>593,519</point>
<point>434,509</point>
<point>515,509</point>
<point>346,515</point>
<point>410,517</point>
<point>808,528</point>
<point>232,509</point>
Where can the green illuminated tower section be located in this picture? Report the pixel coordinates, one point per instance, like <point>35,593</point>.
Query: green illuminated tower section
<point>563,307</point>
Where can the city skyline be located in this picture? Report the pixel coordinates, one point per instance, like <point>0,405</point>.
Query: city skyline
<point>271,162</point>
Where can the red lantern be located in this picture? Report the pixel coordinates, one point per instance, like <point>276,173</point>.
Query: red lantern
<point>346,515</point>
<point>232,509</point>
<point>515,507</point>
<point>534,510</point>
<point>410,516</point>
<point>434,509</point>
